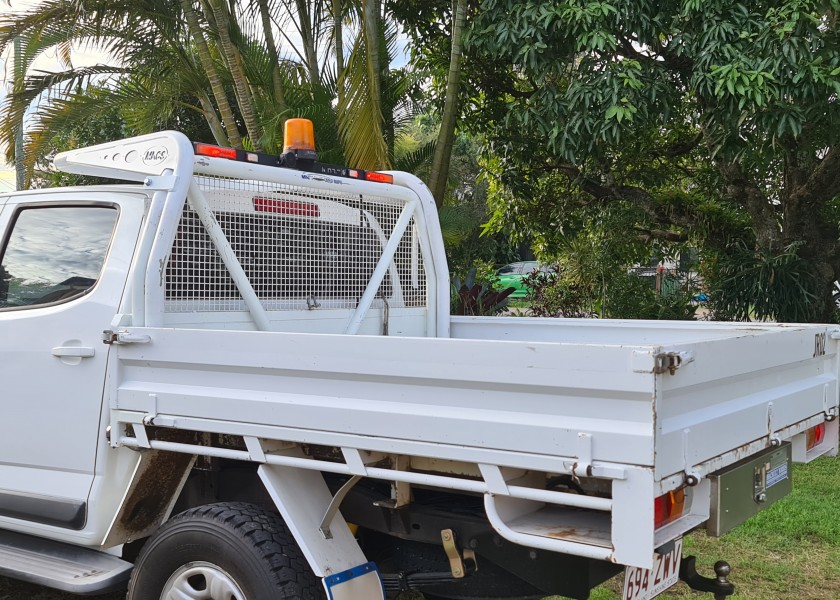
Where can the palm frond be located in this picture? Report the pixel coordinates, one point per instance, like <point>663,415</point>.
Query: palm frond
<point>413,161</point>
<point>37,86</point>
<point>457,224</point>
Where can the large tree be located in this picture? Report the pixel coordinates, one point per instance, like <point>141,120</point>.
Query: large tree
<point>701,114</point>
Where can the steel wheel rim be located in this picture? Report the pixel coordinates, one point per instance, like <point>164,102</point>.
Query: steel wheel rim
<point>201,581</point>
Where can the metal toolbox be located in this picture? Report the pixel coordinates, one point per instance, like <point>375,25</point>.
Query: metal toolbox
<point>748,487</point>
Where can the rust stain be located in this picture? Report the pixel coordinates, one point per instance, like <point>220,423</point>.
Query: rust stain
<point>564,533</point>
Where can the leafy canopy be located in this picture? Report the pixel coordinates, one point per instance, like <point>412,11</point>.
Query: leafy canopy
<point>715,122</point>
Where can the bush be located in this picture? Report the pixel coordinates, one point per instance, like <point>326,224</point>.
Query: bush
<point>626,296</point>
<point>551,296</point>
<point>477,298</point>
<point>635,297</point>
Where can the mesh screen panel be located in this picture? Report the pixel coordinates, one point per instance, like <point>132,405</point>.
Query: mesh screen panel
<point>300,248</point>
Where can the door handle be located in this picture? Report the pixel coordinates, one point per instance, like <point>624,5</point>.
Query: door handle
<point>74,351</point>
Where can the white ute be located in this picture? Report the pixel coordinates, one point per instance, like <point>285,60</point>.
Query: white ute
<point>283,406</point>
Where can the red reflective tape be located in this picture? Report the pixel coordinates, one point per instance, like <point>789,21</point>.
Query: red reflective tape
<point>286,207</point>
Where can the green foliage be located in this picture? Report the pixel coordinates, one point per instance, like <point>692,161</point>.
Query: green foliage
<point>714,123</point>
<point>762,286</point>
<point>549,295</point>
<point>603,72</point>
<point>465,211</point>
<point>108,126</point>
<point>620,296</point>
<point>635,297</point>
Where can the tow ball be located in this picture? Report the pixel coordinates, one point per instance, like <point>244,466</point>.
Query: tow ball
<point>720,586</point>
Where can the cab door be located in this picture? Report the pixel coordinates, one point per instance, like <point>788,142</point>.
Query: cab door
<point>63,268</point>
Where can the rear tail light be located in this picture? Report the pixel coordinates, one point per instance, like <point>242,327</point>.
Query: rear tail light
<point>815,436</point>
<point>668,507</point>
<point>286,207</point>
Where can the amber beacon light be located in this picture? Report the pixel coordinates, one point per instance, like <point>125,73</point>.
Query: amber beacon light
<point>299,137</point>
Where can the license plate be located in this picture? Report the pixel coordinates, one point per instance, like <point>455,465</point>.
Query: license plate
<point>643,584</point>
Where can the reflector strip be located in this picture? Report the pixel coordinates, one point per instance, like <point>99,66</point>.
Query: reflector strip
<point>286,207</point>
<point>668,507</point>
<point>815,436</point>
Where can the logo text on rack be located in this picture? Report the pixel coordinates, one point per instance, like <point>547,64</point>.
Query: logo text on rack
<point>155,155</point>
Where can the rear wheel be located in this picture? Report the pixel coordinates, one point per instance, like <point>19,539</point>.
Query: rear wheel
<point>226,551</point>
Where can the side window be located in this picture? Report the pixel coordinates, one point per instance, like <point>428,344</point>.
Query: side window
<point>54,253</point>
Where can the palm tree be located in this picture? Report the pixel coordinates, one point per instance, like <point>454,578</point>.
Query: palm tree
<point>220,59</point>
<point>147,34</point>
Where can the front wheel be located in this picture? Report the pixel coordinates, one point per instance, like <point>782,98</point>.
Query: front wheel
<point>225,551</point>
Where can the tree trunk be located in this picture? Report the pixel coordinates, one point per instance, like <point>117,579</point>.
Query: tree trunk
<point>271,46</point>
<point>212,118</point>
<point>308,40</point>
<point>19,75</point>
<point>806,194</point>
<point>338,41</point>
<point>370,15</point>
<point>218,89</point>
<point>805,224</point>
<point>234,63</point>
<point>446,136</point>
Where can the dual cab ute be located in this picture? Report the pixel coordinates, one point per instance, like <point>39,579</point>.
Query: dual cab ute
<point>237,378</point>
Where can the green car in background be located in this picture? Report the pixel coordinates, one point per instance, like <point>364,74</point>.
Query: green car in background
<point>513,274</point>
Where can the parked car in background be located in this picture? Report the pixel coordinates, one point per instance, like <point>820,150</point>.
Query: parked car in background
<point>513,274</point>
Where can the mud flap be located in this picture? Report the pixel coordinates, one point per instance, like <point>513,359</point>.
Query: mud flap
<point>359,582</point>
<point>303,499</point>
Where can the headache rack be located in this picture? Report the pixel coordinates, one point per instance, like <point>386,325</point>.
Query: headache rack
<point>267,247</point>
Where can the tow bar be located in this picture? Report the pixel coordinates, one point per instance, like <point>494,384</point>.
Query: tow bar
<point>720,586</point>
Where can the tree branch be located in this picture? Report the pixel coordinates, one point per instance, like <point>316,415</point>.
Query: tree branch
<point>661,213</point>
<point>824,182</point>
<point>680,148</point>
<point>680,64</point>
<point>660,234</point>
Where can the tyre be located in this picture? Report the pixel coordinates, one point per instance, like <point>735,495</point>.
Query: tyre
<point>225,551</point>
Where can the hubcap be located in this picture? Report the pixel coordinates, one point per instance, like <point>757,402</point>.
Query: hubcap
<point>201,581</point>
